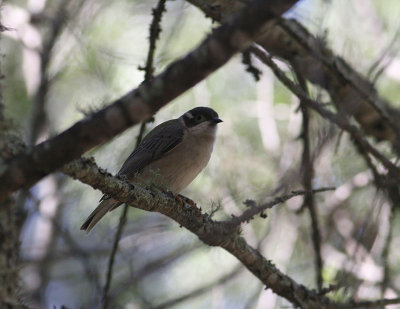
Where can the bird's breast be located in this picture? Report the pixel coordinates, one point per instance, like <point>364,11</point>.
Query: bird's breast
<point>178,167</point>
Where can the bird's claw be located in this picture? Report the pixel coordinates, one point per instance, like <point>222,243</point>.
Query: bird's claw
<point>183,199</point>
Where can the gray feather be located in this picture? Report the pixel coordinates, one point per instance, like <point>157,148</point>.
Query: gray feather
<point>153,147</point>
<point>158,142</point>
<point>105,206</point>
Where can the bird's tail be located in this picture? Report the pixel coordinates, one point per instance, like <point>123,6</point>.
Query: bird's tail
<point>104,207</point>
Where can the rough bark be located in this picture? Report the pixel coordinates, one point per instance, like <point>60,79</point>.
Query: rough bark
<point>224,234</point>
<point>310,56</point>
<point>11,221</point>
<point>139,104</point>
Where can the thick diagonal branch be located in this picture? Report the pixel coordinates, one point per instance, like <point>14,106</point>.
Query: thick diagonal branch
<point>139,104</point>
<point>316,62</point>
<point>335,118</point>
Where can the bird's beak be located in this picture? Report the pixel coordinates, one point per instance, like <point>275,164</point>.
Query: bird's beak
<point>215,120</point>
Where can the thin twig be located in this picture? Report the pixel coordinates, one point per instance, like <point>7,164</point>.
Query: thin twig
<point>78,253</point>
<point>355,133</point>
<point>249,214</point>
<point>155,30</point>
<point>289,40</point>
<point>39,120</point>
<point>142,102</point>
<point>39,125</point>
<point>254,71</point>
<point>308,175</point>
<point>392,191</point>
<point>343,123</point>
<point>389,49</point>
<point>385,255</point>
<point>106,289</point>
<point>213,233</point>
<point>369,97</point>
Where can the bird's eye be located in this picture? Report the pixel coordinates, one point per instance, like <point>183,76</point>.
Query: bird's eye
<point>199,118</point>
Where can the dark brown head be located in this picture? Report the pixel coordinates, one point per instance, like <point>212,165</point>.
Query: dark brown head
<point>200,115</point>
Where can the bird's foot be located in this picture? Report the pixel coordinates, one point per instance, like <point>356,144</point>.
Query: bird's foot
<point>183,199</point>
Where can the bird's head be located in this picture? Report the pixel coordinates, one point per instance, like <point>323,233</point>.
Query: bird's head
<point>201,119</point>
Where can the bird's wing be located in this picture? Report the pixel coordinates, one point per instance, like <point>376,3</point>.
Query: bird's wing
<point>159,141</point>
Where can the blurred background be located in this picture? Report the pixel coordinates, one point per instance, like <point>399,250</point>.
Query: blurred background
<point>91,54</point>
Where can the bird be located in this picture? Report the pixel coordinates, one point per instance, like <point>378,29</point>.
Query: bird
<point>169,157</point>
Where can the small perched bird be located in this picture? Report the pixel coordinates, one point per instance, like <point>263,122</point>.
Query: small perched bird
<point>170,156</point>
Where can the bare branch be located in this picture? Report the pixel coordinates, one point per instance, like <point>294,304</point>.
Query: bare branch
<point>365,103</point>
<point>308,175</point>
<point>139,104</point>
<point>351,92</point>
<point>385,254</point>
<point>369,304</point>
<point>355,133</point>
<point>114,249</point>
<point>249,214</point>
<point>213,233</point>
<point>39,117</point>
<point>155,30</point>
<point>389,51</point>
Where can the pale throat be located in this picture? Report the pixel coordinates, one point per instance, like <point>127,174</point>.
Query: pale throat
<point>204,130</point>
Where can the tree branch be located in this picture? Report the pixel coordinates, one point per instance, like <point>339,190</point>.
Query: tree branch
<point>307,178</point>
<point>338,120</point>
<point>249,214</point>
<point>122,221</point>
<point>139,104</point>
<point>309,55</point>
<point>369,303</point>
<point>155,30</point>
<point>214,233</point>
<point>39,118</point>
